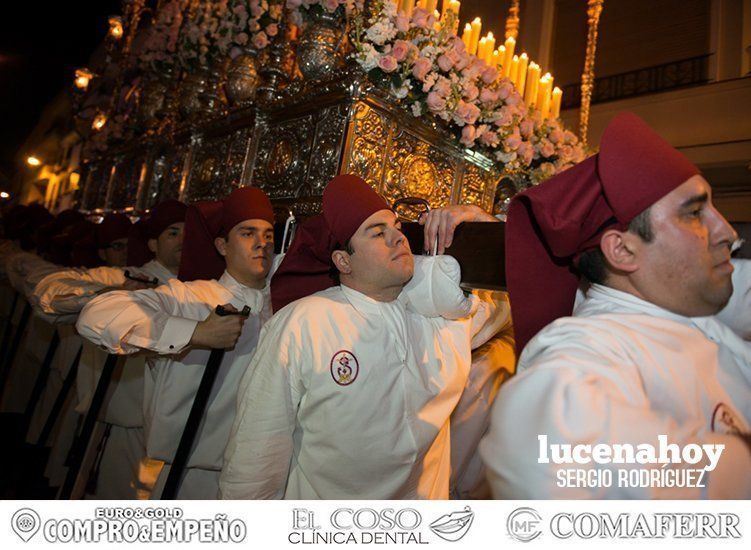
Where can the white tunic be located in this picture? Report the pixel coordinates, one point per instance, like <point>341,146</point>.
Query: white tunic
<point>24,270</point>
<point>162,320</point>
<point>67,292</point>
<point>64,293</point>
<point>348,397</point>
<point>622,370</point>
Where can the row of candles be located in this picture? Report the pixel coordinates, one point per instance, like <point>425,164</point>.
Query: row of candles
<point>536,88</point>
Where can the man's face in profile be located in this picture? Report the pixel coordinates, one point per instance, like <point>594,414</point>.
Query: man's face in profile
<point>686,267</point>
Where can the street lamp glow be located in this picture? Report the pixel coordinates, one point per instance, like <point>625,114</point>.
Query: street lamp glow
<point>33,161</point>
<point>99,121</point>
<point>83,78</point>
<point>116,27</point>
<point>4,195</point>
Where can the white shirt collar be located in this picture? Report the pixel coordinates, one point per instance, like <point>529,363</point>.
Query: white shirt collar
<point>603,299</point>
<point>244,295</point>
<point>365,304</point>
<point>154,268</point>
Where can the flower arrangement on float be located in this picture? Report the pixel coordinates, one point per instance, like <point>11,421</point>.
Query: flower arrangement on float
<point>426,67</point>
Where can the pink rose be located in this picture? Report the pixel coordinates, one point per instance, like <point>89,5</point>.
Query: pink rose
<point>469,133</point>
<point>444,63</point>
<point>526,151</point>
<point>421,68</point>
<point>489,138</point>
<point>400,50</point>
<point>442,86</point>
<point>488,96</point>
<point>556,136</point>
<point>458,45</point>
<point>526,127</point>
<point>242,38</point>
<point>272,29</point>
<point>402,22</point>
<point>420,18</point>
<point>466,113</point>
<point>513,141</point>
<point>436,102</point>
<point>505,89</point>
<point>504,117</point>
<point>255,9</point>
<point>330,5</point>
<point>260,40</point>
<point>470,92</point>
<point>489,75</point>
<point>547,149</point>
<point>514,99</point>
<point>292,4</point>
<point>463,61</point>
<point>387,63</point>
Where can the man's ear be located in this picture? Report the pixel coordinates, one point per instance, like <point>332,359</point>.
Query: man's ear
<point>151,243</point>
<point>620,249</point>
<point>221,245</point>
<point>342,261</point>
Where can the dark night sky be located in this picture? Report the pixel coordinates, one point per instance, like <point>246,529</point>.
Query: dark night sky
<point>41,43</point>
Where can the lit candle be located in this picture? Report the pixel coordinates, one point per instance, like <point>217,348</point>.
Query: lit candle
<point>481,48</point>
<point>533,78</point>
<point>489,47</point>
<point>555,107</point>
<point>407,6</point>
<point>467,36</point>
<point>495,60</point>
<point>476,27</point>
<point>437,24</point>
<point>510,45</point>
<point>543,95</point>
<point>501,57</point>
<point>521,79</point>
<point>454,6</point>
<point>431,5</point>
<point>514,71</point>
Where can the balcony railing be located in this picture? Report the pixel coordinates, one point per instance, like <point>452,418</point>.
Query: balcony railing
<point>649,80</point>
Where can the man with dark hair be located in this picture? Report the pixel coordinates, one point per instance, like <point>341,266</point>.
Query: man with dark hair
<point>351,390</point>
<point>227,262</point>
<point>63,294</point>
<point>642,362</point>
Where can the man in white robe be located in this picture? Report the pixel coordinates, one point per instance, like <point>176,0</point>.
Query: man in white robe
<point>642,360</point>
<point>120,470</point>
<point>351,390</point>
<point>231,248</point>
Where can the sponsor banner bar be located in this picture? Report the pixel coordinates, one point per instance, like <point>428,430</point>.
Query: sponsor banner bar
<point>434,524</point>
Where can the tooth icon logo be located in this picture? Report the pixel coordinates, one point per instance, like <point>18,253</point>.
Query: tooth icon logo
<point>25,523</point>
<point>452,527</point>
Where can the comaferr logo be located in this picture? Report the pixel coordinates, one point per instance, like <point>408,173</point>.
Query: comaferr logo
<point>344,367</point>
<point>524,524</point>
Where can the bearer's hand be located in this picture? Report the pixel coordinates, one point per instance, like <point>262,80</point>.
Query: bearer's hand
<point>440,224</point>
<point>217,331</point>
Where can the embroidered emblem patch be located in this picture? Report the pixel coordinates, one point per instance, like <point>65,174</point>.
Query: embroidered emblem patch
<point>725,421</point>
<point>344,367</point>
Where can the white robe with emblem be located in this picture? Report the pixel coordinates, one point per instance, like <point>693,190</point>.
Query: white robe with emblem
<point>162,320</point>
<point>623,370</point>
<point>348,397</point>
